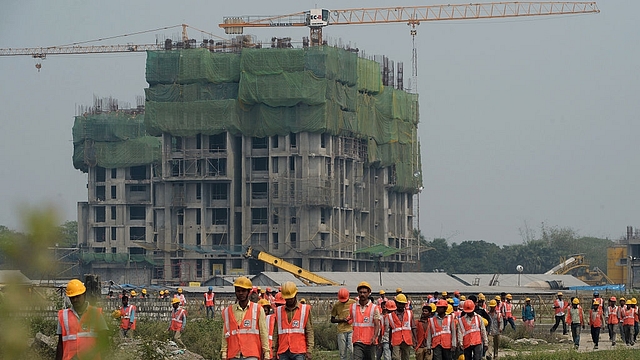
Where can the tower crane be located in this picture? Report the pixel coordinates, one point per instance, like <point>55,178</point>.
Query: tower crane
<point>316,19</point>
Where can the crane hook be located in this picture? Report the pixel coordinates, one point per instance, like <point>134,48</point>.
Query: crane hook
<point>38,66</point>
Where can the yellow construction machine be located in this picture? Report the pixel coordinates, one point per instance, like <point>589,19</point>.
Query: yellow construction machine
<point>306,276</point>
<point>578,265</point>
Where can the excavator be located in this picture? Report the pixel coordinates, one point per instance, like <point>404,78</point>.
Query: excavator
<point>578,264</point>
<point>306,276</point>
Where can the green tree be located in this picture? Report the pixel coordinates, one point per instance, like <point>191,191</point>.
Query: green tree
<point>69,234</point>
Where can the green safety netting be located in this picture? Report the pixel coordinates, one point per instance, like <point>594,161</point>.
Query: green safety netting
<point>272,61</point>
<point>141,151</point>
<point>369,76</point>
<point>117,258</point>
<point>192,66</point>
<point>192,92</point>
<point>332,63</point>
<point>112,126</point>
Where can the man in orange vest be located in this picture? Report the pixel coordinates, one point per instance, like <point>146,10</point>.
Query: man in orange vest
<point>559,307</point>
<point>295,330</point>
<point>403,329</point>
<point>365,317</point>
<point>178,321</point>
<point>127,318</point>
<point>472,335</point>
<point>575,318</point>
<point>611,315</point>
<point>628,321</point>
<point>210,302</point>
<point>244,326</point>
<point>441,335</point>
<point>421,332</point>
<point>340,315</point>
<point>82,330</point>
<point>271,318</point>
<point>507,312</point>
<point>596,321</point>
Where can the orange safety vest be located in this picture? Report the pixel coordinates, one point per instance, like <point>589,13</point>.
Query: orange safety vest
<point>471,335</point>
<point>78,336</point>
<point>363,326</point>
<point>441,335</point>
<point>401,330</point>
<point>421,333</point>
<point>629,316</point>
<point>291,335</point>
<point>559,306</point>
<point>271,322</point>
<point>125,315</point>
<point>208,299</point>
<point>570,320</point>
<point>457,313</point>
<point>244,338</point>
<point>613,315</point>
<point>176,319</point>
<point>595,318</point>
<point>506,310</point>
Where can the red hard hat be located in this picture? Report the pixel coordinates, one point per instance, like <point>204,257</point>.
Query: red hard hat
<point>442,303</point>
<point>343,294</point>
<point>456,292</point>
<point>468,306</point>
<point>391,305</point>
<point>279,300</point>
<point>613,298</point>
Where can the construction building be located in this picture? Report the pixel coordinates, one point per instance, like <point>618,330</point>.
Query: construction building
<point>310,154</point>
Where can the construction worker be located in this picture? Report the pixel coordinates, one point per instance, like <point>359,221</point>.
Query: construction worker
<point>495,327</point>
<point>161,294</point>
<point>210,302</point>
<point>528,315</point>
<point>384,347</point>
<point>444,295</point>
<point>244,326</point>
<point>472,335</point>
<point>634,302</point>
<point>575,320</point>
<point>559,307</point>
<point>295,330</point>
<point>403,329</point>
<point>421,332</point>
<point>621,307</point>
<point>507,312</point>
<point>178,321</point>
<point>409,305</point>
<point>144,293</point>
<point>134,294</point>
<point>82,330</point>
<point>127,318</point>
<point>456,295</point>
<point>382,298</point>
<point>441,335</point>
<point>183,299</point>
<point>340,315</point>
<point>271,318</point>
<point>611,315</point>
<point>365,317</point>
<point>596,297</point>
<point>265,305</point>
<point>596,322</point>
<point>455,303</point>
<point>628,320</point>
<point>482,301</point>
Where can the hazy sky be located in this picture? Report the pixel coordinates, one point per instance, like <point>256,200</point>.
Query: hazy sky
<point>523,121</point>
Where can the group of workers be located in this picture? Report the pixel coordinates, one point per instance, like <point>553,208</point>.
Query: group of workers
<point>620,315</point>
<point>268,324</point>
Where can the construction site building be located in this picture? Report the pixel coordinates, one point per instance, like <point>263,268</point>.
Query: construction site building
<point>308,154</point>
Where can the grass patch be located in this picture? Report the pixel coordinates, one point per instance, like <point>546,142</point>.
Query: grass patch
<point>622,354</point>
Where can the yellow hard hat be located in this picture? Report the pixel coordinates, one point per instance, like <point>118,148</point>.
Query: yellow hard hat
<point>485,322</point>
<point>633,301</point>
<point>144,291</point>
<point>133,293</point>
<point>116,314</point>
<point>527,299</point>
<point>596,303</point>
<point>243,282</point>
<point>463,298</point>
<point>175,300</point>
<point>290,290</point>
<point>559,293</point>
<point>493,303</point>
<point>449,309</point>
<point>433,307</point>
<point>481,297</point>
<point>382,292</point>
<point>575,301</point>
<point>75,287</point>
<point>497,297</point>
<point>509,296</point>
<point>401,298</point>
<point>622,299</point>
<point>364,284</point>
<point>180,290</point>
<point>461,357</point>
<point>398,290</point>
<point>263,302</point>
<point>303,301</point>
<point>444,293</point>
<point>450,301</point>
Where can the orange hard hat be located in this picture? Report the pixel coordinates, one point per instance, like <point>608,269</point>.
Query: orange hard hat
<point>279,299</point>
<point>343,295</point>
<point>442,303</point>
<point>468,306</point>
<point>391,305</point>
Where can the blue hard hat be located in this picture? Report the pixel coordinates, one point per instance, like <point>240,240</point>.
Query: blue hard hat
<point>210,288</point>
<point>595,293</point>
<point>456,302</point>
